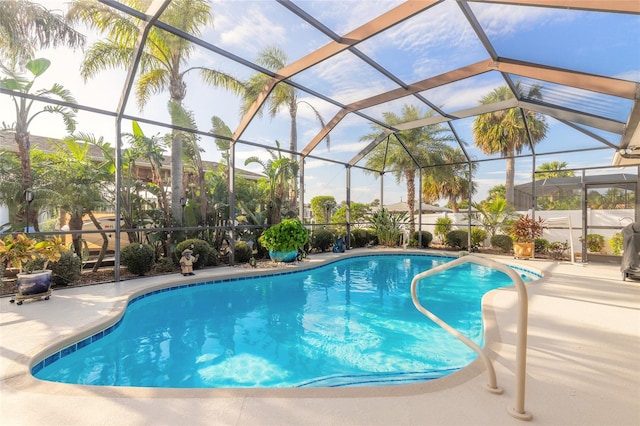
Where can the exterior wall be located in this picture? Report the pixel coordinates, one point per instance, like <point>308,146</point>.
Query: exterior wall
<point>615,219</point>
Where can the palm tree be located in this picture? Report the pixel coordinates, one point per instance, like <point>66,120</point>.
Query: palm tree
<point>24,115</point>
<point>553,169</point>
<point>504,132</point>
<point>450,181</point>
<point>279,171</point>
<point>26,27</point>
<point>161,64</point>
<point>426,145</point>
<point>80,182</point>
<point>282,96</point>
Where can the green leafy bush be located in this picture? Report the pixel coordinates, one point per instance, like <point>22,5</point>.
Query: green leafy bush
<point>457,239</point>
<point>67,269</point>
<point>557,249</point>
<point>361,237</point>
<point>595,242</point>
<point>478,235</point>
<point>617,243</point>
<point>288,235</point>
<point>541,245</point>
<point>427,237</point>
<point>503,242</point>
<point>322,239</point>
<point>164,265</point>
<point>200,248</point>
<point>242,252</point>
<point>138,258</point>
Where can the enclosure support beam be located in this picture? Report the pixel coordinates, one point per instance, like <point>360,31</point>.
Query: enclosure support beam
<point>301,191</point>
<point>348,236</point>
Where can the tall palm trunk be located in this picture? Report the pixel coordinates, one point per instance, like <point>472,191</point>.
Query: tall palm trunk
<point>293,147</point>
<point>510,179</point>
<point>410,176</point>
<point>177,91</point>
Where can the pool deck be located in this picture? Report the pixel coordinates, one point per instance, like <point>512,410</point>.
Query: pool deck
<point>583,363</point>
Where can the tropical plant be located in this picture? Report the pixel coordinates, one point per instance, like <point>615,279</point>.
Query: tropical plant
<point>450,181</point>
<point>16,82</point>
<point>27,26</point>
<point>504,132</point>
<point>80,182</point>
<point>161,63</point>
<point>425,145</point>
<point>478,235</point>
<point>493,215</point>
<point>279,171</point>
<point>17,251</point>
<point>443,226</point>
<point>526,229</point>
<point>388,226</point>
<point>553,169</point>
<point>281,96</point>
<point>288,235</point>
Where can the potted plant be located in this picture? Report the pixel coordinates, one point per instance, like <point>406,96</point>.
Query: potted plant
<point>524,231</point>
<point>284,240</point>
<point>23,254</point>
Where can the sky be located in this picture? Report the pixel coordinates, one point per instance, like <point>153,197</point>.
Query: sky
<point>429,44</point>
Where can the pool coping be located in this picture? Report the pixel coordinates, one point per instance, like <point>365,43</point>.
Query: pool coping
<point>23,378</point>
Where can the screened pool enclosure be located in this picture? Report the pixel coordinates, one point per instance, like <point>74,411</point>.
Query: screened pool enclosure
<point>186,104</point>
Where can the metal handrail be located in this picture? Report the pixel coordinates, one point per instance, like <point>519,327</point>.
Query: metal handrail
<point>517,410</point>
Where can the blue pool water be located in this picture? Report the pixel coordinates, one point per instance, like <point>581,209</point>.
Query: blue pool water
<point>347,323</point>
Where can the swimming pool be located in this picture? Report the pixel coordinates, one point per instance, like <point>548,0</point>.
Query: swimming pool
<point>347,323</point>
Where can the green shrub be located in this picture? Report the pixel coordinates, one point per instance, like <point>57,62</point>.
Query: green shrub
<point>67,269</point>
<point>322,239</point>
<point>138,258</point>
<point>361,237</point>
<point>503,242</point>
<point>242,252</point>
<point>288,235</point>
<point>427,237</point>
<point>557,249</point>
<point>443,226</point>
<point>617,243</point>
<point>478,235</point>
<point>457,239</point>
<point>595,242</point>
<point>541,245</point>
<point>164,265</point>
<point>200,248</point>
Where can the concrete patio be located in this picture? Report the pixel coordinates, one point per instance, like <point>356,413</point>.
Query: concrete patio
<point>583,364</point>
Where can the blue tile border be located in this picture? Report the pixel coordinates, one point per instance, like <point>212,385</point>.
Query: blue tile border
<point>99,335</point>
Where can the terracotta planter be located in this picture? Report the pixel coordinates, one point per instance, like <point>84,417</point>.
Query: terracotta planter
<point>523,250</point>
<point>283,256</point>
